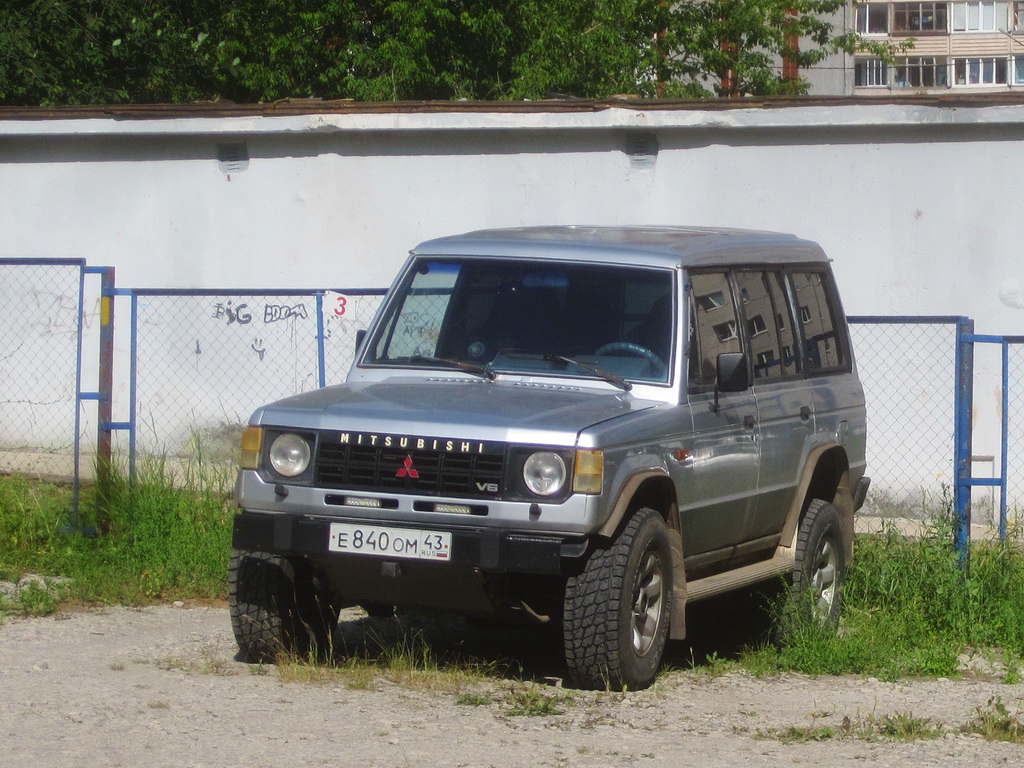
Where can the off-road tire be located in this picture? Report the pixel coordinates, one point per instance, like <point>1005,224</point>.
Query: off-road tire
<point>617,610</point>
<point>820,570</point>
<point>277,609</point>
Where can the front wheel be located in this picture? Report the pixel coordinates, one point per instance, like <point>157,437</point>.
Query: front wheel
<point>617,611</point>
<point>276,608</point>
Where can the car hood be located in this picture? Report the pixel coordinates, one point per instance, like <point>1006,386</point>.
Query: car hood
<point>507,411</point>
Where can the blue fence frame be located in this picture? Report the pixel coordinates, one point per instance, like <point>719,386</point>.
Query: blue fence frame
<point>963,445</point>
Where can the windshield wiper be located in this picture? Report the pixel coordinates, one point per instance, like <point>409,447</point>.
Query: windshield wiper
<point>478,370</point>
<point>611,378</point>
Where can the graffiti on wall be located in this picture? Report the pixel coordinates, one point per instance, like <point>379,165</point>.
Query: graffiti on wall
<point>281,326</point>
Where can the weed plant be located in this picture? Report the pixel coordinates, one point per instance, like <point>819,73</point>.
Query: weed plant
<point>912,608</point>
<point>156,537</point>
<point>901,726</point>
<point>995,722</point>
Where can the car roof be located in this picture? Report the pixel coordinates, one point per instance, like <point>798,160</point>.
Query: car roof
<point>651,246</point>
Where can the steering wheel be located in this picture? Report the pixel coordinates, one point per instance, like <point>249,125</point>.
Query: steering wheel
<point>657,365</point>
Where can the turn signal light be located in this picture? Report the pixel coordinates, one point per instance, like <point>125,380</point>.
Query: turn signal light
<point>589,471</point>
<point>252,444</point>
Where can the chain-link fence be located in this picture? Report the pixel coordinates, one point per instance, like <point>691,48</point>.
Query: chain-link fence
<point>40,336</point>
<point>202,361</point>
<point>345,313</point>
<point>205,360</point>
<point>908,369</point>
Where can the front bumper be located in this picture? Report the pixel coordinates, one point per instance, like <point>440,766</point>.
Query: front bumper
<point>488,549</point>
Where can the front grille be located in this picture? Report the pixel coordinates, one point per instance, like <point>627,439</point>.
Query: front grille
<point>421,471</point>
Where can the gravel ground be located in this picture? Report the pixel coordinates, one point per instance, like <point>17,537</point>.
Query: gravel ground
<point>159,687</point>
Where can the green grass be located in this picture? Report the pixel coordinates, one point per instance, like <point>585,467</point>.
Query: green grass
<point>911,609</point>
<point>402,657</point>
<point>156,539</point>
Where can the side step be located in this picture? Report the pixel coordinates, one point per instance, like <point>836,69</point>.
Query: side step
<point>720,583</point>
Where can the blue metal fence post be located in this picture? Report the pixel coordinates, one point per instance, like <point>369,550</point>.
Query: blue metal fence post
<point>76,487</point>
<point>133,370</point>
<point>962,434</point>
<point>320,332</point>
<point>1005,431</point>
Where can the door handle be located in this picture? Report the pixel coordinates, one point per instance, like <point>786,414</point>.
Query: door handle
<point>748,421</point>
<point>805,413</point>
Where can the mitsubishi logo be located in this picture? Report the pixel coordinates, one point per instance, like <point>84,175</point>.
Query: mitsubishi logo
<point>407,470</point>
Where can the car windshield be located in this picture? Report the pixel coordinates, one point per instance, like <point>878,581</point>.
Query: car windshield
<point>489,316</point>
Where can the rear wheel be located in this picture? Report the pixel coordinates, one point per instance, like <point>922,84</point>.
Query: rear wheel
<point>616,614</point>
<point>276,608</point>
<point>820,565</point>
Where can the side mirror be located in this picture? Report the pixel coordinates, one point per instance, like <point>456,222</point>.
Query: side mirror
<point>731,375</point>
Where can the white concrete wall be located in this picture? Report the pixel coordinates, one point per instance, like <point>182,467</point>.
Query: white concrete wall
<point>918,204</point>
<point>910,201</point>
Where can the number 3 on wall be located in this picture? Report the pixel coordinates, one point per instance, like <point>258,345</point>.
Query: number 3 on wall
<point>335,304</point>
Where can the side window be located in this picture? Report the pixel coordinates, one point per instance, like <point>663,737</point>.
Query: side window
<point>821,325</point>
<point>769,326</point>
<point>714,327</point>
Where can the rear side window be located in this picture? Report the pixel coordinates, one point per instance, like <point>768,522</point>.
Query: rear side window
<point>822,326</point>
<point>769,324</point>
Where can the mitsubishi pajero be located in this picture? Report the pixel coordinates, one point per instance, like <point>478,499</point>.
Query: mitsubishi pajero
<point>583,426</point>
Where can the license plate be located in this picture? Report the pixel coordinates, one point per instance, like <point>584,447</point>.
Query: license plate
<point>406,543</point>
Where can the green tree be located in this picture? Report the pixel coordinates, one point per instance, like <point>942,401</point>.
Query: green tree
<point>133,51</point>
<point>735,47</point>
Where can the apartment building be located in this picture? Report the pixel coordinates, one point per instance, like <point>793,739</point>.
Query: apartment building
<point>975,46</point>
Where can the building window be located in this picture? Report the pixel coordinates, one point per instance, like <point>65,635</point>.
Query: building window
<point>873,19</point>
<point>979,16</point>
<point>765,364</point>
<point>919,17</point>
<point>725,331</point>
<point>979,71</point>
<point>1018,70</point>
<point>921,72</point>
<point>870,73</point>
<point>1018,17</point>
<point>710,301</point>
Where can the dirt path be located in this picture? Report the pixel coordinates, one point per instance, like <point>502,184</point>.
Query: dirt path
<point>159,687</point>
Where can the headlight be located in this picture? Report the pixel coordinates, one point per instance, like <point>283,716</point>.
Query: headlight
<point>544,473</point>
<point>289,455</point>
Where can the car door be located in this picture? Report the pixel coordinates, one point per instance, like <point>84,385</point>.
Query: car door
<point>785,406</point>
<point>717,504</point>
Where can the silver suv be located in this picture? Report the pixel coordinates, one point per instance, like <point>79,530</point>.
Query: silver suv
<point>580,425</point>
